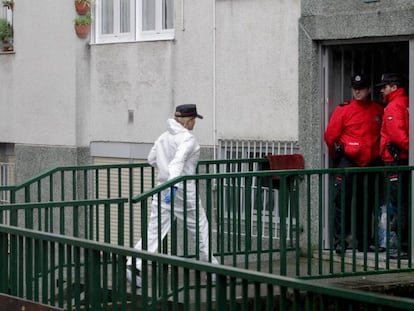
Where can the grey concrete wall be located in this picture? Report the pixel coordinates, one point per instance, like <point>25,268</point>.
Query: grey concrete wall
<point>382,22</point>
<point>354,7</point>
<point>33,160</point>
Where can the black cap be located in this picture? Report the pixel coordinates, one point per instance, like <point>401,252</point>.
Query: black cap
<point>360,81</point>
<point>390,78</point>
<point>189,110</point>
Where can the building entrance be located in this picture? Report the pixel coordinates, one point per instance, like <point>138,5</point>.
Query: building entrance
<point>339,63</point>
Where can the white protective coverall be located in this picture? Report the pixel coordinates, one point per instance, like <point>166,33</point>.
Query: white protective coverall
<point>175,153</point>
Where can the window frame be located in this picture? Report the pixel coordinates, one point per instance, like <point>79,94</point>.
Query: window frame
<point>136,34</point>
<point>7,14</point>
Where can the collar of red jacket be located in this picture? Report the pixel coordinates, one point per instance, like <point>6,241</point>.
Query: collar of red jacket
<point>364,102</point>
<point>394,94</point>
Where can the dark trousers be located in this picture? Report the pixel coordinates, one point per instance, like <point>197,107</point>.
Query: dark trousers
<point>351,185</point>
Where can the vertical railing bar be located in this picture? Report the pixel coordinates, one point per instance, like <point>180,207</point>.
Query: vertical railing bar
<point>130,204</point>
<point>62,185</point>
<point>282,224</point>
<point>44,267</point>
<point>229,209</point>
<point>108,183</point>
<point>320,221</point>
<point>74,185</point>
<point>233,219</point>
<point>85,184</point>
<point>239,213</point>
<point>119,182</point>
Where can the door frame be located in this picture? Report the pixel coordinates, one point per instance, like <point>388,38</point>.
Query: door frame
<point>327,104</point>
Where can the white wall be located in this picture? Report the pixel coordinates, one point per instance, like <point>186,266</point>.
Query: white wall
<point>237,60</point>
<point>136,77</point>
<point>38,81</point>
<point>257,69</point>
<point>243,76</point>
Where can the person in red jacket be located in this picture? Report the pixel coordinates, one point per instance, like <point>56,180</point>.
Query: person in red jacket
<point>352,136</point>
<point>394,145</point>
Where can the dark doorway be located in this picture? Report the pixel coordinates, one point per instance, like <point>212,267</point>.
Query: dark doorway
<point>370,59</point>
<point>340,62</point>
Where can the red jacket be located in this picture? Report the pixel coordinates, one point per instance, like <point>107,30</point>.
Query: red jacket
<point>356,125</point>
<point>395,125</point>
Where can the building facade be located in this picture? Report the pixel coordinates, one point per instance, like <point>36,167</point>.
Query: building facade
<point>71,101</point>
<point>259,71</point>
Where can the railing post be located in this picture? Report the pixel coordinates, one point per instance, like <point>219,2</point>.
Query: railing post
<point>283,205</point>
<point>4,263</point>
<point>94,280</point>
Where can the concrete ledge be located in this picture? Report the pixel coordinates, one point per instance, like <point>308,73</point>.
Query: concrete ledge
<point>8,303</point>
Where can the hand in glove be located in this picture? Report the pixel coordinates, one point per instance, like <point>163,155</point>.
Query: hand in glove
<point>168,196</point>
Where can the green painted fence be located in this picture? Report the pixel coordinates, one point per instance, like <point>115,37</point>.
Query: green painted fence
<point>77,274</point>
<point>269,222</point>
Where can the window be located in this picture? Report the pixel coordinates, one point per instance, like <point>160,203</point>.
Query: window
<point>133,20</point>
<point>6,26</point>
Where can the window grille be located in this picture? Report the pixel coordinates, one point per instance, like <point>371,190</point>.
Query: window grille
<point>6,179</point>
<point>239,149</point>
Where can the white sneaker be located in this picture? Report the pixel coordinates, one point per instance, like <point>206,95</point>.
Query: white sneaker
<point>129,276</point>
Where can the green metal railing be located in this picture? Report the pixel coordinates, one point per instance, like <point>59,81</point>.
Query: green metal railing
<point>101,181</point>
<point>104,181</point>
<point>272,222</point>
<point>83,183</point>
<point>79,183</point>
<point>88,219</point>
<point>244,216</point>
<point>91,276</point>
<point>252,224</point>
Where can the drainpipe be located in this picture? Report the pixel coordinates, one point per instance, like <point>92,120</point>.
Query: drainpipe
<point>214,81</point>
<point>182,16</point>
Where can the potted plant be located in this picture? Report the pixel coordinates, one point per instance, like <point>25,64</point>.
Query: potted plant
<point>8,4</point>
<point>83,25</point>
<point>83,6</point>
<point>6,34</point>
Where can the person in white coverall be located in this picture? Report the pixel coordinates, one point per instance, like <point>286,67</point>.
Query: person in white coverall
<point>175,153</point>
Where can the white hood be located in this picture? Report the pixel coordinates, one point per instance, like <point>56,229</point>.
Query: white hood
<point>175,153</point>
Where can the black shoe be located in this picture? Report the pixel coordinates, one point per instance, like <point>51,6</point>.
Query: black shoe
<point>338,250</point>
<point>360,247</point>
<point>373,249</point>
